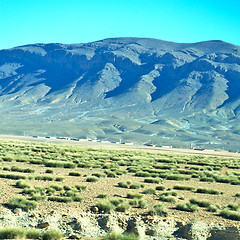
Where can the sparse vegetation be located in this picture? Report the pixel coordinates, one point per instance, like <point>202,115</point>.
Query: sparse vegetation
<point>22,203</point>
<point>120,236</point>
<point>188,207</point>
<point>147,173</point>
<point>208,191</point>
<point>159,210</point>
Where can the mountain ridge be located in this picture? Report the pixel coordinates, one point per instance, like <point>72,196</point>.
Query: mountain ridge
<point>137,79</point>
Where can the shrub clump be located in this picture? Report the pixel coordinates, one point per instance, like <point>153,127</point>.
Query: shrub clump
<point>92,179</point>
<point>105,206</point>
<point>213,208</point>
<point>102,195</point>
<point>21,184</point>
<point>140,203</point>
<point>200,203</point>
<point>149,191</point>
<point>75,174</point>
<point>135,186</point>
<point>233,215</point>
<point>159,210</point>
<point>188,207</point>
<point>134,195</point>
<point>160,188</point>
<point>120,236</point>
<point>19,233</point>
<point>52,234</point>
<point>22,203</point>
<point>208,191</point>
<point>151,180</point>
<point>123,184</point>
<point>187,188</point>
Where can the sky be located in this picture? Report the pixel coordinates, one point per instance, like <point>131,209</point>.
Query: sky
<point>80,21</point>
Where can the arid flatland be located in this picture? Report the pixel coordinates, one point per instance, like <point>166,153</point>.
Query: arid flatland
<point>73,178</point>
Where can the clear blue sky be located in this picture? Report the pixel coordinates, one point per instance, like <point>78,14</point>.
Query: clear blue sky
<point>79,21</point>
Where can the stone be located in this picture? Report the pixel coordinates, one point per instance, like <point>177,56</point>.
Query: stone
<point>150,232</point>
<point>180,224</point>
<point>43,225</point>
<point>94,209</point>
<point>17,211</point>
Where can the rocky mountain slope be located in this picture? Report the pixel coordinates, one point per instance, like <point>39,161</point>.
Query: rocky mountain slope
<point>135,89</point>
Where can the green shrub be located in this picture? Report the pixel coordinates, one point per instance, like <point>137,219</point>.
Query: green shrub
<point>207,179</point>
<point>208,191</point>
<point>44,178</point>
<point>176,177</point>
<point>135,186</point>
<point>167,199</point>
<point>50,191</point>
<point>142,174</point>
<point>119,236</point>
<point>52,234</point>
<point>159,210</point>
<point>233,206</point>
<point>116,201</point>
<point>59,179</point>
<point>66,187</point>
<point>22,184</point>
<point>12,176</point>
<point>12,233</point>
<point>200,203</point>
<point>75,174</point>
<point>49,171</point>
<point>38,198</point>
<point>122,207</point>
<point>22,203</point>
<point>149,191</point>
<point>123,184</point>
<point>187,188</point>
<point>188,207</point>
<point>32,233</point>
<point>169,193</point>
<point>140,203</point>
<point>105,206</point>
<point>237,194</point>
<point>99,175</point>
<point>92,179</point>
<point>81,187</point>
<point>160,188</point>
<point>102,195</point>
<point>57,187</point>
<point>233,215</point>
<point>19,233</point>
<point>213,208</point>
<point>151,180</point>
<point>134,195</point>
<point>60,199</point>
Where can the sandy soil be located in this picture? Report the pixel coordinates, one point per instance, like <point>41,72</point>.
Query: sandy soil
<point>109,185</point>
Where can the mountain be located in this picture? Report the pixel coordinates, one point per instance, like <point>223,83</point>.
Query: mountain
<point>134,89</point>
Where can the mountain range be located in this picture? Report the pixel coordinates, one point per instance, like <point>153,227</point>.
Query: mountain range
<point>130,89</point>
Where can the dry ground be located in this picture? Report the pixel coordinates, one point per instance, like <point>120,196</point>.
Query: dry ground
<point>109,186</point>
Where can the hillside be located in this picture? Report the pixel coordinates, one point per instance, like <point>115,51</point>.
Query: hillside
<point>134,89</point>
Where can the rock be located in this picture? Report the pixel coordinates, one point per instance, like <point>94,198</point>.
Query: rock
<point>150,232</point>
<point>74,236</point>
<point>136,226</point>
<point>180,224</point>
<point>94,209</point>
<point>53,213</point>
<point>33,215</point>
<point>225,234</point>
<point>193,231</point>
<point>43,225</point>
<point>17,211</point>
